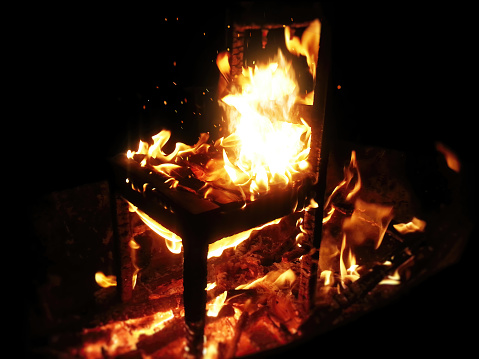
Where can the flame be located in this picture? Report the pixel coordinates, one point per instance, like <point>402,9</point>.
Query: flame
<point>269,143</point>
<point>159,160</point>
<point>172,240</point>
<point>307,46</point>
<point>222,61</point>
<point>350,273</point>
<point>357,224</point>
<point>285,279</point>
<point>415,225</point>
<point>133,248</point>
<point>105,281</point>
<point>215,306</point>
<point>393,279</point>
<point>326,277</point>
<point>451,158</point>
<point>280,279</point>
<point>216,249</point>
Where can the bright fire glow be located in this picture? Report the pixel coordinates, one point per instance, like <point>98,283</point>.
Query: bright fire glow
<point>173,241</point>
<point>105,281</point>
<point>216,249</point>
<point>215,306</point>
<point>415,225</point>
<point>307,46</point>
<point>451,158</point>
<point>269,142</point>
<point>365,225</point>
<point>279,278</point>
<point>125,335</point>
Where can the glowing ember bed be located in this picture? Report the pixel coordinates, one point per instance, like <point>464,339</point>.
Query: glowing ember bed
<point>199,223</point>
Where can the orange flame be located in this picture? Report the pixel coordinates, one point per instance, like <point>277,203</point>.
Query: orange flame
<point>281,279</point>
<point>365,225</point>
<point>216,249</point>
<point>269,143</point>
<point>451,158</point>
<point>215,306</point>
<point>308,45</point>
<point>133,248</point>
<point>105,281</point>
<point>172,240</point>
<point>415,225</point>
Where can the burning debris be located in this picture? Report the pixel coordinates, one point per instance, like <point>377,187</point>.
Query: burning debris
<point>253,288</point>
<point>267,146</point>
<point>239,264</point>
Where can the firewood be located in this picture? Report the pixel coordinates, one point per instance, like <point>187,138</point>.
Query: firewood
<point>240,325</point>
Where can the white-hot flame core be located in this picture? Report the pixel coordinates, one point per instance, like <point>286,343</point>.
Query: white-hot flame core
<point>269,141</point>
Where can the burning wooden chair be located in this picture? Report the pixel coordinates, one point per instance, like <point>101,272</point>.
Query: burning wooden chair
<point>177,194</point>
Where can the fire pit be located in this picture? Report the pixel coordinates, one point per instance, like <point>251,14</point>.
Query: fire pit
<point>220,257</point>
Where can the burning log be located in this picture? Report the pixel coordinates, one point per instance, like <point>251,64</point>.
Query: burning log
<point>334,309</point>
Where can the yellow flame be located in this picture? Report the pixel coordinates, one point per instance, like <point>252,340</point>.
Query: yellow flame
<point>281,279</point>
<point>216,249</point>
<point>451,158</point>
<point>269,143</point>
<point>393,279</point>
<point>133,248</point>
<point>285,279</point>
<point>172,240</point>
<point>105,281</point>
<point>222,61</point>
<point>347,266</point>
<point>307,46</point>
<point>215,306</point>
<point>210,286</point>
<point>155,151</point>
<point>415,225</point>
<point>327,277</point>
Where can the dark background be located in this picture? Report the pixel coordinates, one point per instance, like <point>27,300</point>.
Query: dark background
<point>89,82</point>
<point>86,72</point>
